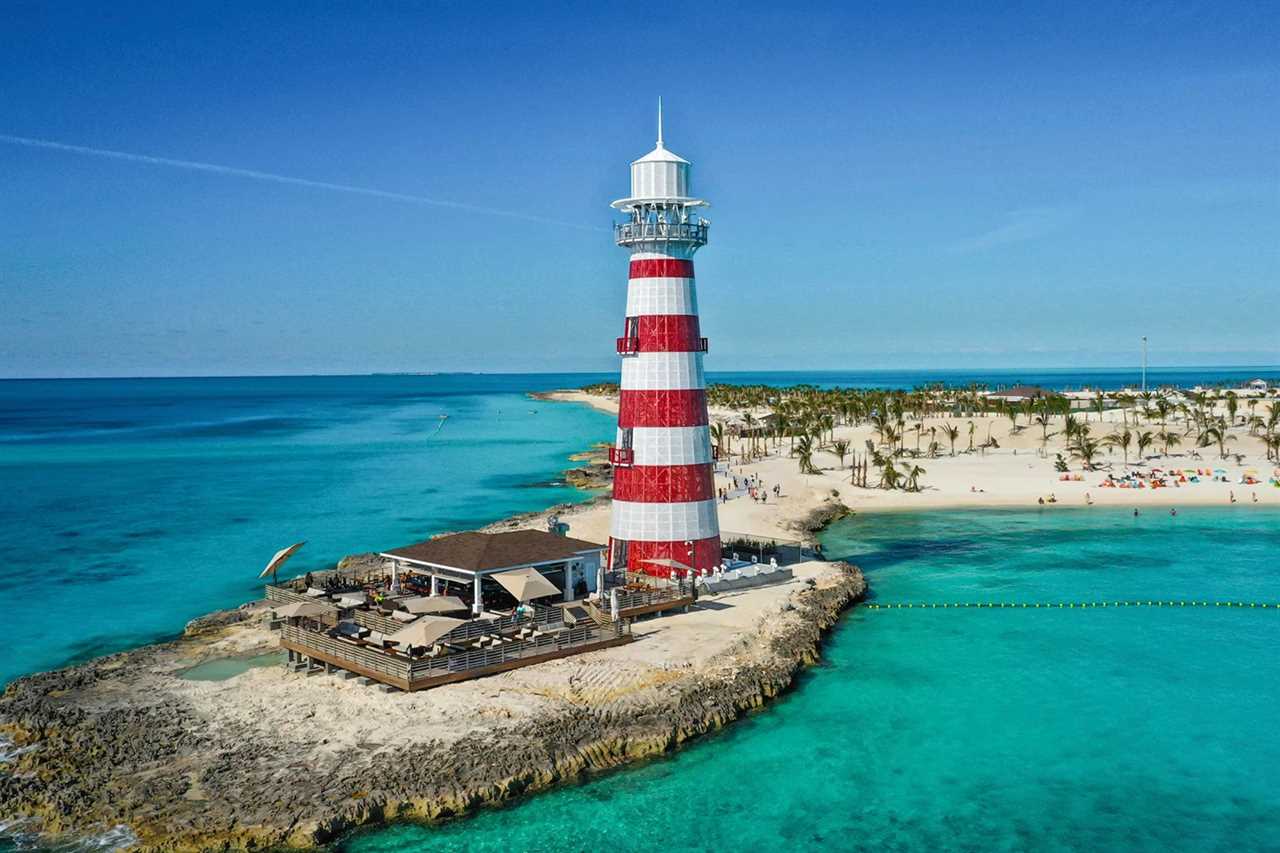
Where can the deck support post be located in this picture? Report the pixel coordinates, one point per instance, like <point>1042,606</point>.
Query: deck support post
<point>477,604</point>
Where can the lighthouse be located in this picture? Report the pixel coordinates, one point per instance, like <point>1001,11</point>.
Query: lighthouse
<point>664,507</point>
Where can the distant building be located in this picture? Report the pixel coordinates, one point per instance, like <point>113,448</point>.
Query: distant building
<point>1021,393</point>
<point>1258,385</point>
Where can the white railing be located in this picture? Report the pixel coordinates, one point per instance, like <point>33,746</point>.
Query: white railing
<point>631,232</point>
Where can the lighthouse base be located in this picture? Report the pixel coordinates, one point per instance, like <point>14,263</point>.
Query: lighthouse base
<point>638,556</point>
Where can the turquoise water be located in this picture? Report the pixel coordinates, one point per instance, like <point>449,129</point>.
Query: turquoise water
<point>1140,729</point>
<point>132,506</point>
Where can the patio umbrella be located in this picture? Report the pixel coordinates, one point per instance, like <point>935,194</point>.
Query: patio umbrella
<point>278,560</point>
<point>525,584</point>
<point>353,599</point>
<point>670,564</point>
<point>425,631</point>
<point>303,608</point>
<point>434,604</point>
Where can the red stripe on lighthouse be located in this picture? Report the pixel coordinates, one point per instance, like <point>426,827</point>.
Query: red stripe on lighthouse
<point>668,333</point>
<point>663,483</point>
<point>661,268</point>
<point>706,555</point>
<point>681,408</point>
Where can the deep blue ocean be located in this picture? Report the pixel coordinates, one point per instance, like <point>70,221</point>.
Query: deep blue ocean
<point>131,506</point>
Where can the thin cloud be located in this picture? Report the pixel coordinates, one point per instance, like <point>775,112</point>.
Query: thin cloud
<point>1021,225</point>
<point>235,172</point>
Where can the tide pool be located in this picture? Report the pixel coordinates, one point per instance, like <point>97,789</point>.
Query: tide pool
<point>1116,729</point>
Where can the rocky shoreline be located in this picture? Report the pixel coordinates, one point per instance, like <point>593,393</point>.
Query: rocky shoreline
<point>123,740</point>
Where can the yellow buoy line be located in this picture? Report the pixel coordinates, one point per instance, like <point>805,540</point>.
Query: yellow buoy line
<point>1059,605</point>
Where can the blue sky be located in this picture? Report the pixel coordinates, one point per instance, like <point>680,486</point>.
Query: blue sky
<point>893,185</point>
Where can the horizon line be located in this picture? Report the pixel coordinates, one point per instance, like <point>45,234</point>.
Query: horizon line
<point>424,373</point>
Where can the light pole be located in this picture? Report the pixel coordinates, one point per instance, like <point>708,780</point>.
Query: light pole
<point>1144,364</point>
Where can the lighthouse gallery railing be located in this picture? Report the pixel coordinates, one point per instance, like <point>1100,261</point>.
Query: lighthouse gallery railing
<point>630,232</point>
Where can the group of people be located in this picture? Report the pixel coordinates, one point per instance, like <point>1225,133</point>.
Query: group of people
<point>755,489</point>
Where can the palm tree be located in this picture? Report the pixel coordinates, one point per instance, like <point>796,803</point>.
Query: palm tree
<point>952,432</point>
<point>1122,440</point>
<point>1169,439</point>
<point>971,428</point>
<point>891,437</point>
<point>1086,450</point>
<point>889,476</point>
<point>1216,434</point>
<point>717,435</point>
<point>1145,440</point>
<point>913,478</point>
<point>1046,414</point>
<point>840,447</point>
<point>748,425</point>
<point>804,453</point>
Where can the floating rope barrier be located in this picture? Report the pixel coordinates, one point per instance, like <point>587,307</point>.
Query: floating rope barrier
<point>1059,605</point>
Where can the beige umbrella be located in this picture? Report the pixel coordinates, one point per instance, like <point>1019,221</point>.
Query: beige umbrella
<point>278,560</point>
<point>303,608</point>
<point>670,564</point>
<point>434,604</point>
<point>425,631</point>
<point>525,584</point>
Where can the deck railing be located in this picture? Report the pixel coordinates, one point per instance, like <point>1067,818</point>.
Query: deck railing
<point>365,658</point>
<point>409,671</point>
<point>376,621</point>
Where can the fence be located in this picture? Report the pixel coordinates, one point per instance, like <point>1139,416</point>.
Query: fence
<point>405,673</point>
<point>748,545</point>
<point>366,659</point>
<point>479,659</point>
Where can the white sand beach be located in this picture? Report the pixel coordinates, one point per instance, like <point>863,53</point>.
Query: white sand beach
<point>1017,474</point>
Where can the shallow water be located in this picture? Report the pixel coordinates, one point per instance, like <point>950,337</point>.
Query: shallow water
<point>221,669</point>
<point>1133,729</point>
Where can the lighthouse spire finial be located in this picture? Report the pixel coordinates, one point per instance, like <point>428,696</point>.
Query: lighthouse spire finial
<point>659,121</point>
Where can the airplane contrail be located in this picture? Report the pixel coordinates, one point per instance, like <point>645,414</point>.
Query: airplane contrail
<point>235,172</point>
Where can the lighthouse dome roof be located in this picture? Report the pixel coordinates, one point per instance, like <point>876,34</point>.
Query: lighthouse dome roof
<point>661,155</point>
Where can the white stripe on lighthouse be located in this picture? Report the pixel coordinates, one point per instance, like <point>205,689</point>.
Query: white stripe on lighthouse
<point>663,371</point>
<point>646,296</point>
<point>664,522</point>
<point>670,445</point>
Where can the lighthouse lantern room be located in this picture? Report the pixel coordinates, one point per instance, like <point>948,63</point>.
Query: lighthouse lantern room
<point>664,508</point>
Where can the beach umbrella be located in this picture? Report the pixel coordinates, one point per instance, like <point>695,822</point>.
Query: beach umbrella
<point>353,599</point>
<point>425,631</point>
<point>526,584</point>
<point>670,564</point>
<point>303,608</point>
<point>434,604</point>
<point>278,560</point>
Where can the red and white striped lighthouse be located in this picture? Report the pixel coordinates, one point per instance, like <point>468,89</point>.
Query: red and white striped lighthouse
<point>664,505</point>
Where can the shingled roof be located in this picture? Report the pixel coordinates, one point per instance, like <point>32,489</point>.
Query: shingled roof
<point>482,552</point>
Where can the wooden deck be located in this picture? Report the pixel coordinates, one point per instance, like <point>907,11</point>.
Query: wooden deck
<point>423,673</point>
